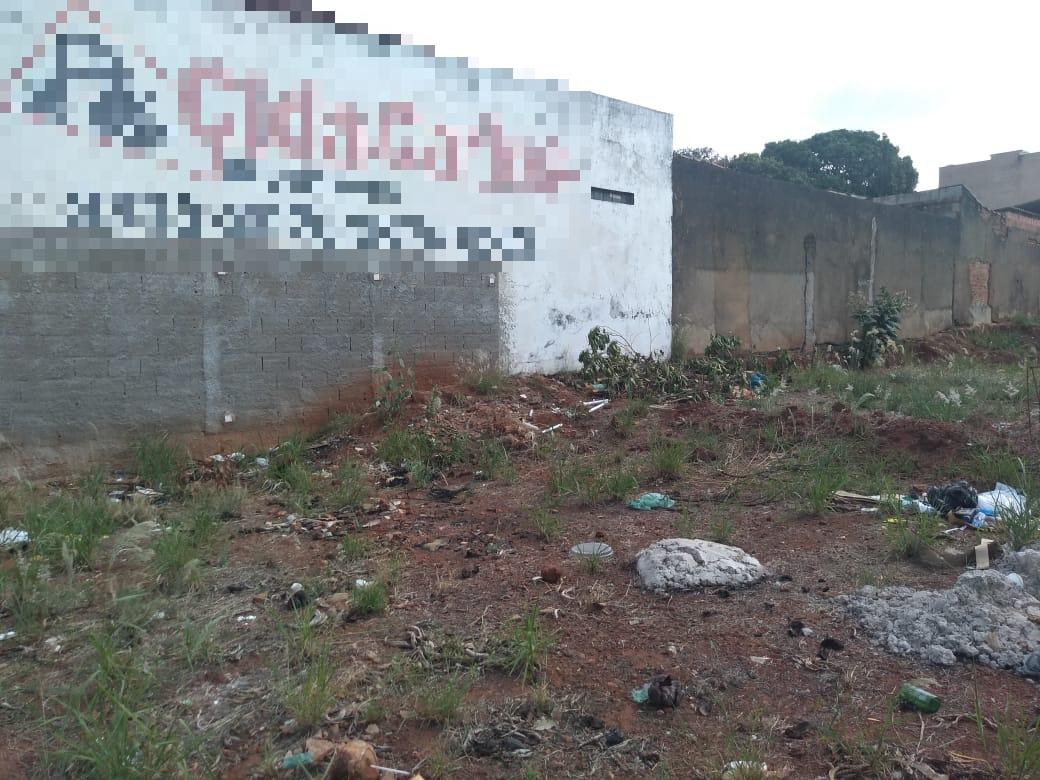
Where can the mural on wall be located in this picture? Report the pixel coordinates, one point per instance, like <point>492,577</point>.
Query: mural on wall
<point>198,119</point>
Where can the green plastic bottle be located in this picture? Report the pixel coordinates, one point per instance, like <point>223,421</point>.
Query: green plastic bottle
<point>919,698</point>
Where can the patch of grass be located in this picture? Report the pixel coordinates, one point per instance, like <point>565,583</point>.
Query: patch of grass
<point>1018,746</point>
<point>440,698</point>
<point>951,391</point>
<point>616,484</point>
<point>493,461</point>
<point>990,466</point>
<point>308,693</point>
<point>546,522</point>
<point>997,339</point>
<point>720,529</point>
<point>487,381</point>
<point>109,728</point>
<point>667,458</point>
<point>1021,524</point>
<point>192,533</point>
<point>353,486</point>
<point>685,527</point>
<point>394,391</point>
<point>28,595</point>
<point>420,454</point>
<point>160,462</point>
<point>300,637</point>
<point>525,649</point>
<point>355,547</point>
<point>198,644</point>
<point>372,599</point>
<point>590,484</point>
<point>344,422</point>
<point>66,528</point>
<point>911,534</point>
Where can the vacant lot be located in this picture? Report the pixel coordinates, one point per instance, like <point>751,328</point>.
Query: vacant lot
<point>442,620</point>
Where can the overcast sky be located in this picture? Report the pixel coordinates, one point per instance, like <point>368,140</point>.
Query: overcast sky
<point>949,82</point>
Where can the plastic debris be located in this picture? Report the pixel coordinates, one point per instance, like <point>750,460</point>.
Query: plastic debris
<point>7,635</point>
<point>737,770</point>
<point>592,550</point>
<point>982,554</point>
<point>11,538</point>
<point>1031,665</point>
<point>296,760</point>
<point>651,501</point>
<point>1016,579</point>
<point>919,699</point>
<point>660,691</point>
<point>297,596</point>
<point>951,497</point>
<point>756,381</point>
<point>262,463</point>
<point>1002,498</point>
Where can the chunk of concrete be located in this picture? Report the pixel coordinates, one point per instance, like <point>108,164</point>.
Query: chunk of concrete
<point>686,564</point>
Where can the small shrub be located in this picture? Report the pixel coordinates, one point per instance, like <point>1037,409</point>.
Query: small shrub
<point>198,644</point>
<point>626,372</point>
<point>525,649</point>
<point>66,529</point>
<point>877,337</point>
<point>616,484</point>
<point>819,490</point>
<point>1021,525</point>
<point>372,599</point>
<point>160,462</point>
<point>28,595</point>
<point>1018,746</point>
<point>667,458</point>
<point>991,466</point>
<point>394,392</point>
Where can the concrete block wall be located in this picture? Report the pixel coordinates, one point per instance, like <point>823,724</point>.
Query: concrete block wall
<point>94,359</point>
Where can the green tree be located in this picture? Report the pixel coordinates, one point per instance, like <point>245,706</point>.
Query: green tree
<point>859,162</point>
<point>760,165</point>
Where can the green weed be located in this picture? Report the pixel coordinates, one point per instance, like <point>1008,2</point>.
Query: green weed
<point>440,699</point>
<point>371,599</point>
<point>354,547</point>
<point>1018,746</point>
<point>353,486</point>
<point>493,460</point>
<point>67,528</point>
<point>525,649</point>
<point>308,695</point>
<point>685,527</point>
<point>546,522</point>
<point>990,466</point>
<point>1021,524</point>
<point>487,381</point>
<point>997,339</point>
<point>394,391</point>
<point>160,462</point>
<point>198,644</point>
<point>28,595</point>
<point>720,529</point>
<point>911,534</point>
<point>667,458</point>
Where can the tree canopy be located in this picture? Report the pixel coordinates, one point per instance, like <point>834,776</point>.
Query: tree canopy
<point>858,162</point>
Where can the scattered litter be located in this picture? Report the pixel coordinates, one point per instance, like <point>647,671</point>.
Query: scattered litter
<point>951,497</point>
<point>528,425</point>
<point>919,699</point>
<point>544,724</point>
<point>761,660</point>
<point>53,644</point>
<point>737,770</point>
<point>982,554</point>
<point>830,643</point>
<point>8,635</point>
<point>651,501</point>
<point>360,583</point>
<point>1003,498</point>
<point>798,628</point>
<point>435,545</point>
<point>13,538</point>
<point>552,428</point>
<point>592,550</point>
<point>297,760</point>
<point>596,405</point>
<point>296,597</point>
<point>756,381</point>
<point>799,730</point>
<point>660,691</point>
<point>613,738</point>
<point>262,463</point>
<point>245,618</point>
<point>1016,579</point>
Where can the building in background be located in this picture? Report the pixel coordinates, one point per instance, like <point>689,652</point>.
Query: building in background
<point>1009,180</point>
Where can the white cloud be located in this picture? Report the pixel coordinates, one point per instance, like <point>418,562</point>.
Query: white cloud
<point>948,82</point>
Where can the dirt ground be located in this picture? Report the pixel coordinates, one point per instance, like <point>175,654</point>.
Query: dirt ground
<point>464,571</point>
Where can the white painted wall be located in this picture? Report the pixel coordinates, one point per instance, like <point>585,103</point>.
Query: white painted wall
<point>594,263</point>
<point>615,268</point>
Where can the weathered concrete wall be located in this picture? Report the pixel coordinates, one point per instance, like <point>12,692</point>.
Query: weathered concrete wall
<point>775,263</point>
<point>91,360</point>
<point>215,220</point>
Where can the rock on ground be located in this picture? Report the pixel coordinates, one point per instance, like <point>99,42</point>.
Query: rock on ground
<point>984,617</point>
<point>685,564</point>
